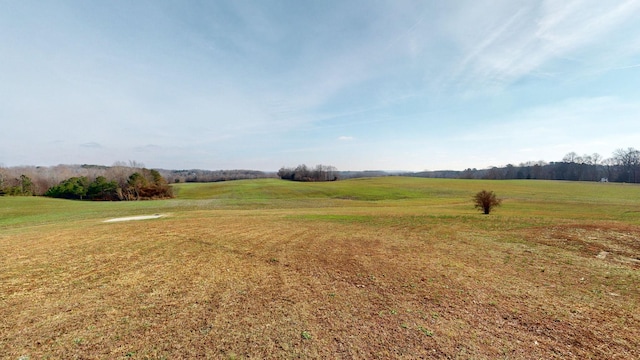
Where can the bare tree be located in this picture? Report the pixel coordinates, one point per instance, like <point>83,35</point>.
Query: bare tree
<point>135,164</point>
<point>629,160</point>
<point>570,157</point>
<point>486,201</point>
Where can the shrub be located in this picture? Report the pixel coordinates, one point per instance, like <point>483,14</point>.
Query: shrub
<point>485,201</point>
<point>72,188</point>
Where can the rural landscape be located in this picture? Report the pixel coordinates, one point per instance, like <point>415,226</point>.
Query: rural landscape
<point>393,179</point>
<point>364,268</point>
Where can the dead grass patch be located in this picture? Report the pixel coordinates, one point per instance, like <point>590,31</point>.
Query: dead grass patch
<point>621,242</point>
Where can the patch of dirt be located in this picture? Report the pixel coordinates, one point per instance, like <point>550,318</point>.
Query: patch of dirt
<point>134,218</point>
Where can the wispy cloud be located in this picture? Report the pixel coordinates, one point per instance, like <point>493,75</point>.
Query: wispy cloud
<point>615,68</point>
<point>532,37</point>
<point>625,67</point>
<point>345,138</point>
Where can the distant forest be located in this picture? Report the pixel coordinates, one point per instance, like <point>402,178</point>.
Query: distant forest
<point>623,166</point>
<point>178,176</point>
<point>132,181</point>
<point>305,173</point>
<point>121,181</point>
<point>86,182</point>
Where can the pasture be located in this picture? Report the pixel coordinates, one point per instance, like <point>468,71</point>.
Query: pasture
<point>357,269</point>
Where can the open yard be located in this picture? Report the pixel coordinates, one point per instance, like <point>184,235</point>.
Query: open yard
<point>356,269</point>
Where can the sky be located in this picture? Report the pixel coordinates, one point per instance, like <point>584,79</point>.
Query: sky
<point>359,85</point>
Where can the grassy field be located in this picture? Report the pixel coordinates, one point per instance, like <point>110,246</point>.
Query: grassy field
<point>357,269</point>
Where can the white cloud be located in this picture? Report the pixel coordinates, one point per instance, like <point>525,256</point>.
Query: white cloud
<point>345,138</point>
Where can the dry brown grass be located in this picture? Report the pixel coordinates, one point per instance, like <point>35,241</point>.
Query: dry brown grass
<point>362,283</point>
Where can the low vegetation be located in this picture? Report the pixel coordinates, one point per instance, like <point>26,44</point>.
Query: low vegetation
<point>381,268</point>
<point>80,188</point>
<point>486,201</point>
<point>143,185</point>
<point>86,182</point>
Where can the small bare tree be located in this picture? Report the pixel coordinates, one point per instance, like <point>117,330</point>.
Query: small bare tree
<point>486,201</point>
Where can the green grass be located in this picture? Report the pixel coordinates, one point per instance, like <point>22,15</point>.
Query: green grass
<point>400,188</point>
<point>37,211</point>
<point>444,196</point>
<point>438,197</point>
<point>378,189</point>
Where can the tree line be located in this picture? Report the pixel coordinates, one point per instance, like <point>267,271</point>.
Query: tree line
<point>86,182</point>
<point>622,166</point>
<point>130,181</point>
<point>141,185</point>
<point>97,180</point>
<point>305,173</point>
<point>197,175</point>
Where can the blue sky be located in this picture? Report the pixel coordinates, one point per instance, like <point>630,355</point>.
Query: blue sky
<point>394,85</point>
